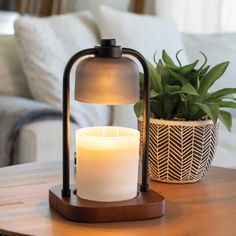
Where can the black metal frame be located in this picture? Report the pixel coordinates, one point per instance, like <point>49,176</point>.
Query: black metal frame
<point>146,115</point>
<point>66,117</point>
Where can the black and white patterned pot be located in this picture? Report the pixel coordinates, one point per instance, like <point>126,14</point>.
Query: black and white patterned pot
<point>180,151</point>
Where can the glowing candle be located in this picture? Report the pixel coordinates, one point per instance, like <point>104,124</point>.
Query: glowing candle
<point>107,163</point>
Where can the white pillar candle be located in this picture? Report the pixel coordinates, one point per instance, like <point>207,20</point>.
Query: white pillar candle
<point>107,163</point>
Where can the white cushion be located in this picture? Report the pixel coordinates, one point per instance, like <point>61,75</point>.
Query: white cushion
<point>46,44</point>
<point>42,141</point>
<point>144,33</point>
<point>124,115</point>
<point>13,80</point>
<point>218,48</point>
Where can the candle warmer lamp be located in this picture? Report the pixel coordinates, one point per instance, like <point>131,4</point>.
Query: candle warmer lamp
<point>106,76</point>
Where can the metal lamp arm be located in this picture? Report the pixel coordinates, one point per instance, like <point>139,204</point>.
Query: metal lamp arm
<point>66,118</point>
<point>146,115</point>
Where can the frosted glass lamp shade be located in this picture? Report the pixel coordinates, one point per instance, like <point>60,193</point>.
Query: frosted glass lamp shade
<point>102,80</point>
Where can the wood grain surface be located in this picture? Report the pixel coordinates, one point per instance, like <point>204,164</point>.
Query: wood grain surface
<point>204,208</point>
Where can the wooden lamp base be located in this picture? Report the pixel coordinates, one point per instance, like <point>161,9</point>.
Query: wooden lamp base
<point>146,205</point>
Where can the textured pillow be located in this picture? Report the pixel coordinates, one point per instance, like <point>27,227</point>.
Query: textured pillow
<point>143,33</point>
<point>13,80</point>
<point>46,44</point>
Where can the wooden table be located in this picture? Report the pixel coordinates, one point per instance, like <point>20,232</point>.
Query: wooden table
<point>204,208</point>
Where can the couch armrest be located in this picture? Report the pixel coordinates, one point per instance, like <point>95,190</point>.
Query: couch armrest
<point>15,112</point>
<point>42,141</point>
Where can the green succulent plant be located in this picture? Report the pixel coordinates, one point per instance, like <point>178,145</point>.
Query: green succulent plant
<point>182,92</point>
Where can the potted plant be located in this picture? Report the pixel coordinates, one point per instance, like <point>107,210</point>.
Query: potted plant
<point>184,118</point>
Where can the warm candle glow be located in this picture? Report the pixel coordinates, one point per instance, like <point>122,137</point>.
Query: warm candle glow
<point>107,163</point>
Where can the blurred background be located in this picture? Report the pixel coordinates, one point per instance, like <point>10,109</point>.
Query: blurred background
<point>191,16</point>
<point>33,57</point>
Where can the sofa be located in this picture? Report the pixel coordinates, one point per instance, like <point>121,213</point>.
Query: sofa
<point>31,68</point>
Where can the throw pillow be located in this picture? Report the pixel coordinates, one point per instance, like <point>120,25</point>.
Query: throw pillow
<point>143,33</point>
<point>13,80</point>
<point>45,45</point>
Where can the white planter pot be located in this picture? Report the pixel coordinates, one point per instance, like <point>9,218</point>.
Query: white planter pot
<point>180,151</point>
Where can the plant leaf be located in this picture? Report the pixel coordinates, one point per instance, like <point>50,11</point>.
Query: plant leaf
<point>138,108</point>
<point>163,74</point>
<point>153,93</point>
<point>169,103</point>
<point>172,89</point>
<point>167,59</point>
<point>205,60</point>
<point>226,119</point>
<point>211,109</point>
<point>188,68</point>
<point>155,79</point>
<point>156,108</point>
<point>154,57</point>
<point>189,89</point>
<point>220,94</point>
<point>203,71</point>
<point>227,104</point>
<point>177,57</point>
<point>215,73</point>
<point>197,82</point>
<point>179,77</point>
<point>159,80</point>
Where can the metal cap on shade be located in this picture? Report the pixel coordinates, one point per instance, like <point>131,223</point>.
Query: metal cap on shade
<point>108,79</point>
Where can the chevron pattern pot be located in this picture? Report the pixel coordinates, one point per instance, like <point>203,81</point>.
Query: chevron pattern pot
<point>180,151</point>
